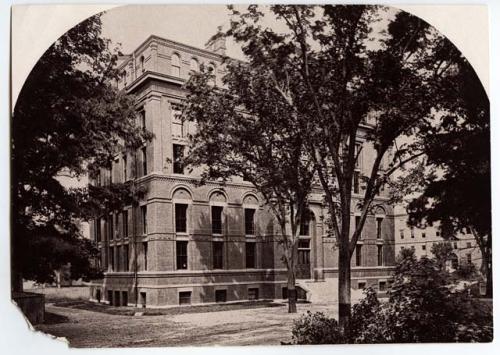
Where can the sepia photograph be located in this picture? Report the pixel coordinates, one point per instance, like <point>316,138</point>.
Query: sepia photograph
<point>241,175</point>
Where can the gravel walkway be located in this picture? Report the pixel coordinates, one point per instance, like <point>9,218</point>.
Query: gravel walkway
<point>257,326</point>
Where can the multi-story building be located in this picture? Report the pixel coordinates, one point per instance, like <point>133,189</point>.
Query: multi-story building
<point>188,244</point>
<point>421,240</point>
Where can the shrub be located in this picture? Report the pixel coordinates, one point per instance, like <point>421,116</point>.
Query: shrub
<point>422,308</point>
<point>316,328</point>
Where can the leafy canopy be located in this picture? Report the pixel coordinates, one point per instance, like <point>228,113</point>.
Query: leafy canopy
<point>70,121</point>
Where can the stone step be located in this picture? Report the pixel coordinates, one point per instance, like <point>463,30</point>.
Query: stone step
<point>325,291</point>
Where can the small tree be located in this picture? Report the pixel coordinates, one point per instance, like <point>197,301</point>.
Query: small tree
<point>443,253</point>
<point>257,140</point>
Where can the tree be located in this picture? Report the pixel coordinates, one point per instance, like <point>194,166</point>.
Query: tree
<point>442,253</point>
<point>457,191</point>
<point>69,121</point>
<point>260,141</point>
<point>351,83</point>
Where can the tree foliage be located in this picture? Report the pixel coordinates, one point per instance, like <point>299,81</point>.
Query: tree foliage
<point>345,80</point>
<point>69,121</point>
<point>459,151</point>
<point>259,141</point>
<point>421,308</point>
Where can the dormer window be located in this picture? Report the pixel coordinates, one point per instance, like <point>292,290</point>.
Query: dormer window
<point>176,65</point>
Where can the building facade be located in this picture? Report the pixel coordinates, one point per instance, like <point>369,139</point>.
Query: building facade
<point>190,244</point>
<point>421,240</point>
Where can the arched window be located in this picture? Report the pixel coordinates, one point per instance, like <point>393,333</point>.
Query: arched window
<point>194,65</point>
<point>176,65</point>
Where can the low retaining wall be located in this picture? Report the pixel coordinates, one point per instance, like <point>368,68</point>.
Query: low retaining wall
<point>32,305</point>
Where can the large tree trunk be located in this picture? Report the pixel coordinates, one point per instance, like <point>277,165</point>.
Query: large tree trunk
<point>291,290</point>
<point>344,285</point>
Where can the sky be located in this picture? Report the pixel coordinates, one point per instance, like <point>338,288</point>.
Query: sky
<point>192,25</point>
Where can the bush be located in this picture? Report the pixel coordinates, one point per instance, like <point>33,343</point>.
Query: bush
<point>316,328</point>
<point>466,271</point>
<point>422,308</point>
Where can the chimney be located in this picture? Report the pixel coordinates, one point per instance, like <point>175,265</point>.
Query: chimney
<point>217,44</point>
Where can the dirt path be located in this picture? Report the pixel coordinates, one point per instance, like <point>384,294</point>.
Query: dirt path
<point>258,326</point>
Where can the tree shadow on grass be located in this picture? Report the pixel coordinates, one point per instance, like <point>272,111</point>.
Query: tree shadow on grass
<point>53,318</point>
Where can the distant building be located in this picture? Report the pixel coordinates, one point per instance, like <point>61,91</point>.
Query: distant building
<point>421,240</point>
<point>189,244</point>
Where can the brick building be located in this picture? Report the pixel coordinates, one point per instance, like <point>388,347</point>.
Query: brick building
<point>211,243</point>
<point>465,248</point>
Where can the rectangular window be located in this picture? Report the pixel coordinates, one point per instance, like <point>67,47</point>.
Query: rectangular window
<point>124,172</point>
<point>304,252</point>
<point>249,221</point>
<point>182,255</point>
<point>119,251</point>
<point>468,230</point>
<point>217,220</point>
<point>412,231</point>
<point>125,258</point>
<point>469,258</point>
<point>117,225</point>
<point>181,218</point>
<point>253,294</point>
<point>98,229</point>
<point>382,286</point>
<point>469,245</point>
<point>358,254</point>
<point>110,227</point>
<point>116,299</point>
<point>220,296</point>
<point>250,255</point>
<point>143,299</point>
<point>125,223</point>
<point>185,298</point>
<point>218,255</point>
<point>402,234</point>
<point>423,247</point>
<point>142,120</point>
<point>423,235</point>
<point>379,227</point>
<point>144,219</point>
<point>438,233</point>
<point>357,222</point>
<point>361,285</point>
<point>357,154</point>
<point>380,255</point>
<point>144,161</point>
<point>145,252</point>
<point>455,245</point>
<point>284,293</point>
<point>355,182</point>
<point>178,157</point>
<point>124,298</point>
<point>111,259</point>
